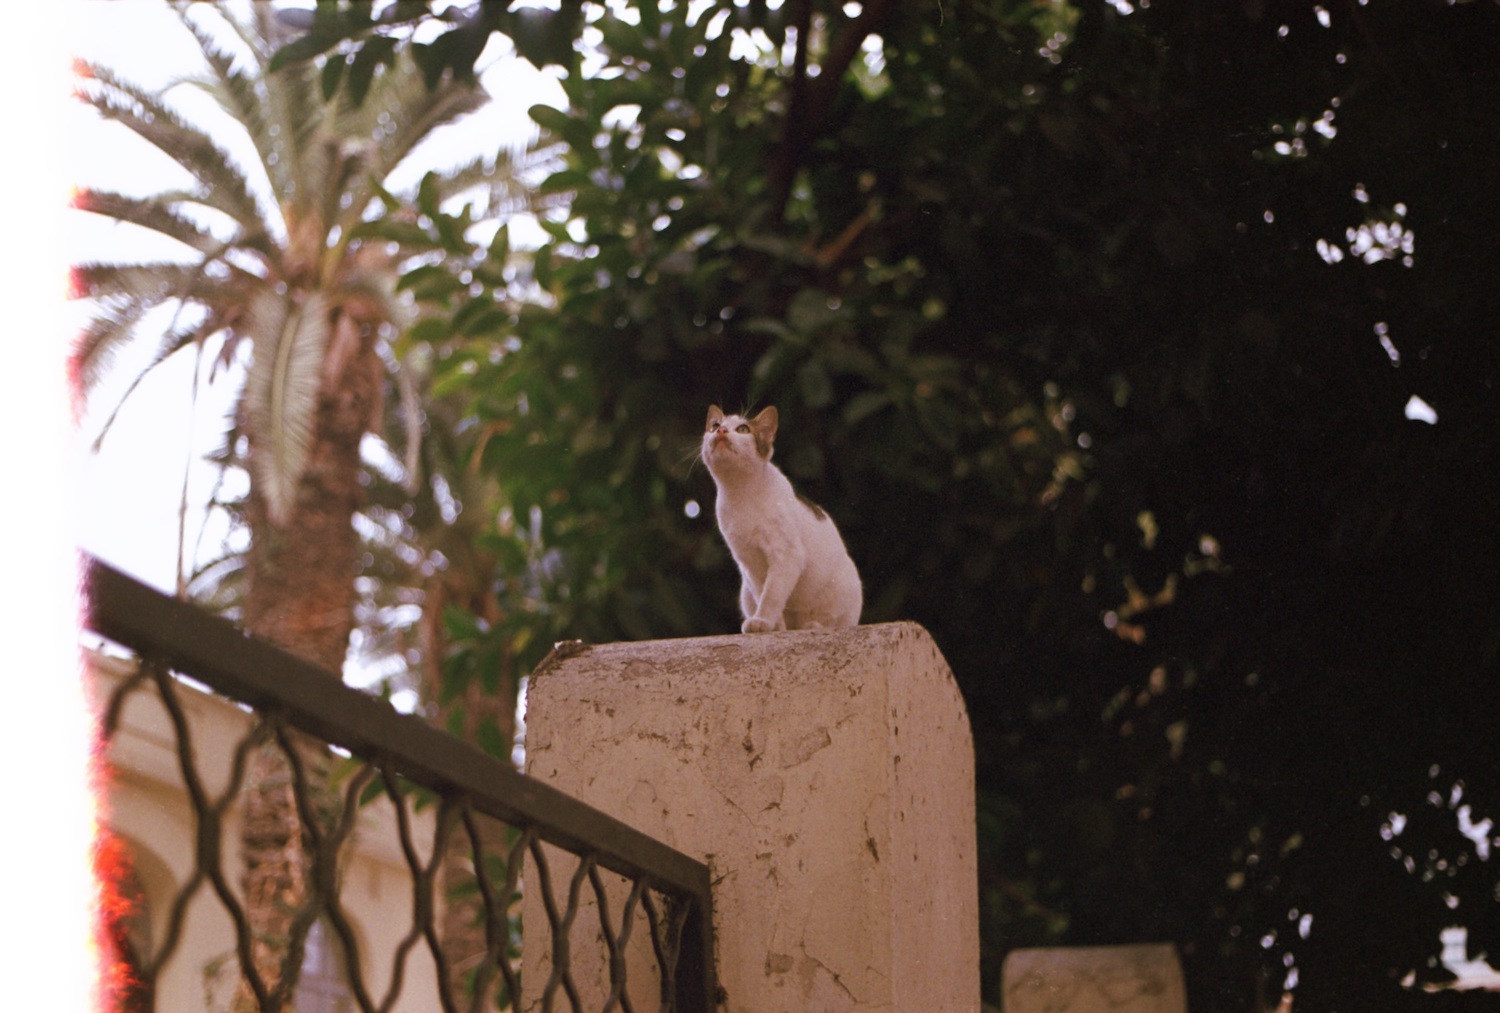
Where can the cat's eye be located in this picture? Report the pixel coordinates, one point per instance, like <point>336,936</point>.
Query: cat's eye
<point>742,428</point>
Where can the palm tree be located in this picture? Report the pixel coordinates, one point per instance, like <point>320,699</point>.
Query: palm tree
<point>278,269</point>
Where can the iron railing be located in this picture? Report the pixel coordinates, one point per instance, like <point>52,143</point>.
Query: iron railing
<point>391,752</point>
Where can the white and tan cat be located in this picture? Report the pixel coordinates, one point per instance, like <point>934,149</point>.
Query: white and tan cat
<point>795,572</point>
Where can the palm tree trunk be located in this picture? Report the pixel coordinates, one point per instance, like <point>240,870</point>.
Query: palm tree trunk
<point>300,596</point>
<point>300,589</point>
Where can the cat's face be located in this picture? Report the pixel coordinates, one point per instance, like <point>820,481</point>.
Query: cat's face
<point>735,441</point>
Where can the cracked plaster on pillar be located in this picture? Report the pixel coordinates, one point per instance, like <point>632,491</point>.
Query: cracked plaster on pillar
<point>807,769</point>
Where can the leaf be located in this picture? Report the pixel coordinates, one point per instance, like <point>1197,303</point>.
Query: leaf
<point>500,246</point>
<point>457,674</point>
<point>423,274</point>
<point>429,195</point>
<point>540,36</point>
<point>489,664</point>
<point>281,393</point>
<point>812,380</point>
<point>477,316</point>
<point>301,50</point>
<point>460,48</point>
<point>564,181</point>
<point>405,233</point>
<point>451,229</point>
<point>541,267</point>
<point>428,330</point>
<point>372,791</point>
<point>487,319</point>
<point>776,246</point>
<point>491,739</point>
<point>430,283</point>
<point>331,76</point>
<point>376,51</point>
<point>550,118</point>
<point>460,624</point>
<point>773,327</point>
<point>810,311</point>
<point>430,61</point>
<point>864,404</point>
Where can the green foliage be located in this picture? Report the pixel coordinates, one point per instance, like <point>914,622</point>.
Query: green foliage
<point>540,35</point>
<point>1038,292</point>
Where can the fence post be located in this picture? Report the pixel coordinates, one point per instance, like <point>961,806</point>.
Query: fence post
<point>827,779</point>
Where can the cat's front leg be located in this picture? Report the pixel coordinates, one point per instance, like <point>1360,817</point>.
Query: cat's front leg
<point>749,602</point>
<point>769,614</point>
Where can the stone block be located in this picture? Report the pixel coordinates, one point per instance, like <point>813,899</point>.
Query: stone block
<point>1094,979</point>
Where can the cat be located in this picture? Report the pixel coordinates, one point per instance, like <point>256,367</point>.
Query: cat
<point>795,573</point>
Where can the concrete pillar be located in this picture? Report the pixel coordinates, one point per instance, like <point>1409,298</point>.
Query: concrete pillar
<point>826,777</point>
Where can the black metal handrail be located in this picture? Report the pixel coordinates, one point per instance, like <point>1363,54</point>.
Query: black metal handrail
<point>214,652</point>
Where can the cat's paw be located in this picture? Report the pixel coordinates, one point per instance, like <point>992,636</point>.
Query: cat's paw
<point>755,624</point>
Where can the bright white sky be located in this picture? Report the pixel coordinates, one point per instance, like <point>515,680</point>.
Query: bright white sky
<point>132,489</point>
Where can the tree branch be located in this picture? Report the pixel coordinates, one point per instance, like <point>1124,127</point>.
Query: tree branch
<point>811,98</point>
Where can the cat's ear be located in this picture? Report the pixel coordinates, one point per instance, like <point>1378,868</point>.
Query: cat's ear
<point>715,414</point>
<point>764,427</point>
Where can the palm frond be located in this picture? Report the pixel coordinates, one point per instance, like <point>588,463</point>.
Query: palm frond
<point>251,32</point>
<point>224,186</point>
<point>416,112</point>
<point>398,114</point>
<point>294,99</point>
<point>500,177</point>
<point>211,281</point>
<point>148,284</point>
<point>124,295</point>
<point>281,393</point>
<point>96,346</point>
<point>219,585</point>
<point>154,213</point>
<point>172,342</point>
<point>236,92</point>
<point>280,111</point>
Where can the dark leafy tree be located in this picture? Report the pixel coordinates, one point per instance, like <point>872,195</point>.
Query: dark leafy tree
<point>1098,328</point>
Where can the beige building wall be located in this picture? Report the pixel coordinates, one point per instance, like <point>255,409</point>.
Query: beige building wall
<point>143,800</point>
<point>827,779</point>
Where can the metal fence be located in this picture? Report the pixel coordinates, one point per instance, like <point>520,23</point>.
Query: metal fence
<point>381,752</point>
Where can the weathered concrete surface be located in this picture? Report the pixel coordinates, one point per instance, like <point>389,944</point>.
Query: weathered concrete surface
<point>1094,979</point>
<point>826,777</point>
